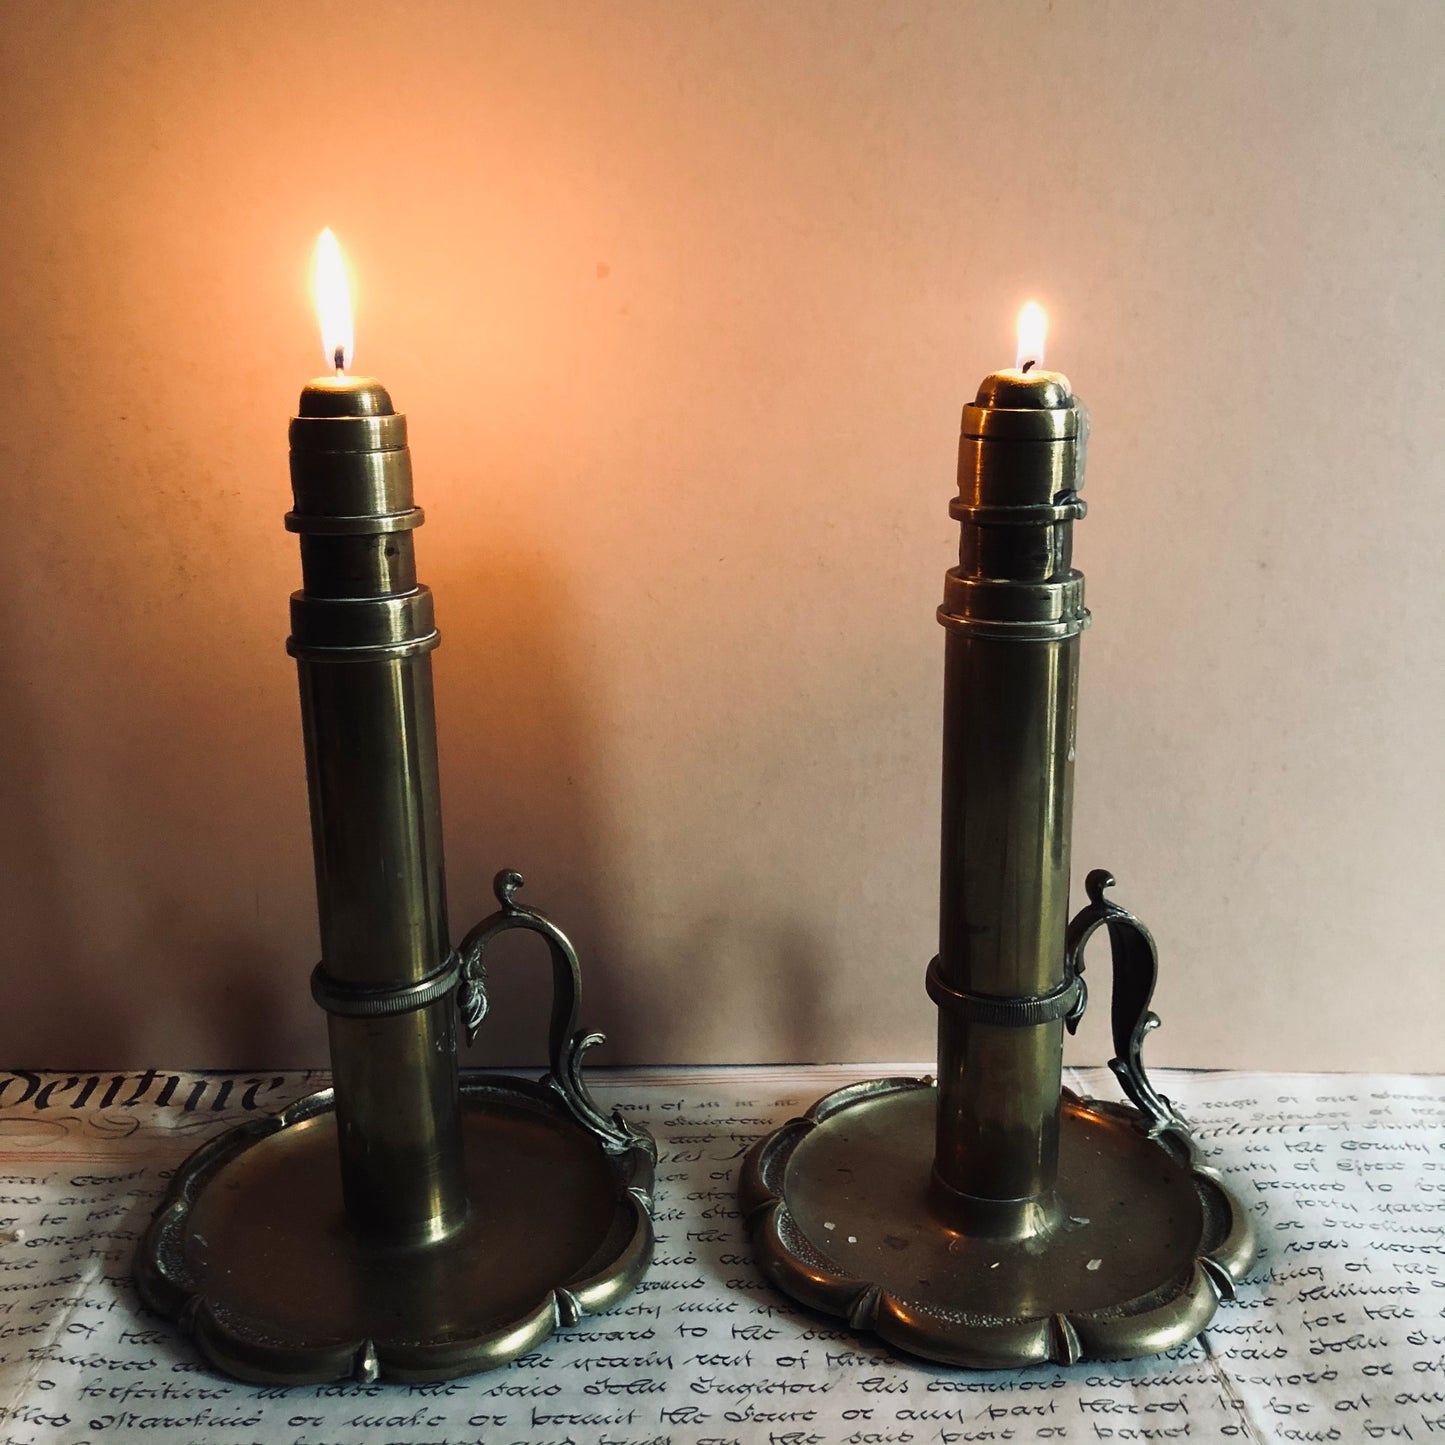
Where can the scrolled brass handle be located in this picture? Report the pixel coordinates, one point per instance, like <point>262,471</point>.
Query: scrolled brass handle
<point>1136,970</point>
<point>566,1043</point>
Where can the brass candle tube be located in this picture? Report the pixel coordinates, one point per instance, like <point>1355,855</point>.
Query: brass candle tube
<point>362,632</point>
<point>1013,609</point>
<point>992,1218</point>
<point>406,1223</point>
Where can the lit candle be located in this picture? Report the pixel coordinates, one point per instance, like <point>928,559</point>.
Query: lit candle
<point>1019,404</point>
<point>1026,384</point>
<point>338,394</point>
<point>1033,329</point>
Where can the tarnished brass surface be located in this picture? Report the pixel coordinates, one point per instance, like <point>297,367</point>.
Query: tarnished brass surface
<point>1007,799</point>
<point>994,1219</point>
<point>1013,611</point>
<point>844,1216</point>
<point>254,1252</point>
<point>397,1225</point>
<point>362,633</point>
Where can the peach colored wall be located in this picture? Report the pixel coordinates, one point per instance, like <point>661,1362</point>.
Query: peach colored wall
<point>682,301</point>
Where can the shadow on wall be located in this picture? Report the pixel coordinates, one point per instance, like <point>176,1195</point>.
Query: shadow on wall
<point>523,720</point>
<point>140,971</point>
<point>134,938</point>
<point>131,937</point>
<point>522,724</point>
<point>59,1008</point>
<point>520,762</point>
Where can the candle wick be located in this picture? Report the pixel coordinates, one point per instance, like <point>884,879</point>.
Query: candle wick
<point>339,358</point>
<point>1026,365</point>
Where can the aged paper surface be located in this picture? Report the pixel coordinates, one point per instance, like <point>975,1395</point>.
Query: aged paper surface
<point>1340,1336</point>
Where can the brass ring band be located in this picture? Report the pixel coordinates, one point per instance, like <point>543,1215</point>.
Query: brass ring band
<point>1030,514</point>
<point>378,652</point>
<point>351,1000</point>
<point>1049,631</point>
<point>1008,1013</point>
<point>366,524</point>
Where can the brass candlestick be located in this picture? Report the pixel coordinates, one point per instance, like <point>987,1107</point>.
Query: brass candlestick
<point>995,1219</point>
<point>401,1224</point>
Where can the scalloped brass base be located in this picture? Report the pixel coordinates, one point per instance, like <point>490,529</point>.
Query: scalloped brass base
<point>252,1254</point>
<point>1133,1259</point>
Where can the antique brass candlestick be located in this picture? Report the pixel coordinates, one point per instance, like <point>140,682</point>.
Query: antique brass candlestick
<point>995,1219</point>
<point>402,1223</point>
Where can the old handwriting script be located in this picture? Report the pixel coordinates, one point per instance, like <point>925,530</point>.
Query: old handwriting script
<point>1338,1336</point>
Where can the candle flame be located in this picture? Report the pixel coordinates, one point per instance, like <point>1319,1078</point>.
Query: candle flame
<point>1033,327</point>
<point>333,302</point>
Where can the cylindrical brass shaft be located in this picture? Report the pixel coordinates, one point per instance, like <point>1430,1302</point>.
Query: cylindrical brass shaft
<point>362,634</point>
<point>1013,609</point>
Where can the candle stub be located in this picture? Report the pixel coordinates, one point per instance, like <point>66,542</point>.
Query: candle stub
<point>1026,386</point>
<point>1025,406</point>
<point>345,396</point>
<point>1015,388</point>
<point>1023,435</point>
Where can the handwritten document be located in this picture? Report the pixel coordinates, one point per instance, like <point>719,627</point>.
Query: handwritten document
<point>1340,1336</point>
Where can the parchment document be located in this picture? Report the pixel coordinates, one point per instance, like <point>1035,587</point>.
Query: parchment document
<point>1339,1336</point>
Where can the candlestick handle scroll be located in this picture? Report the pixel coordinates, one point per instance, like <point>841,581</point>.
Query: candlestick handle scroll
<point>1136,970</point>
<point>566,1043</point>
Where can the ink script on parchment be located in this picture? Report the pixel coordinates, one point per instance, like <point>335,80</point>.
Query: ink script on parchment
<point>1339,1335</point>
